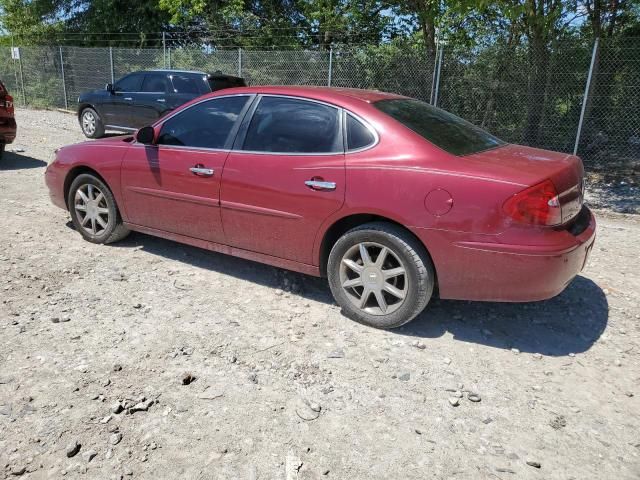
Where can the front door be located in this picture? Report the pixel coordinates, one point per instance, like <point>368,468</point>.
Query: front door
<point>174,185</point>
<point>285,176</point>
<point>117,107</point>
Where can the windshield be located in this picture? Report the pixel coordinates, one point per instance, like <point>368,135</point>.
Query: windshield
<point>443,129</point>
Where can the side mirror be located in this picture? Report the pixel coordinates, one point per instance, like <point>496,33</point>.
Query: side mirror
<point>145,135</point>
<point>109,87</point>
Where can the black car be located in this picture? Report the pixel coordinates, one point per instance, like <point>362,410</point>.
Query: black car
<point>140,98</point>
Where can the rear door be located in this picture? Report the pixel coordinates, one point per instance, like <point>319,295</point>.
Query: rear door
<point>185,87</point>
<point>285,176</point>
<point>117,106</point>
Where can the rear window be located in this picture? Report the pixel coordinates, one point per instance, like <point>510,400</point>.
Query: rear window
<point>219,83</point>
<point>443,129</point>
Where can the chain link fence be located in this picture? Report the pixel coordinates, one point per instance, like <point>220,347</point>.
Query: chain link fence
<point>538,101</point>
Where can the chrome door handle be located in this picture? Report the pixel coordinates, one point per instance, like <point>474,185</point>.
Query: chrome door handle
<point>203,172</point>
<point>128,98</point>
<point>320,185</point>
<point>161,100</point>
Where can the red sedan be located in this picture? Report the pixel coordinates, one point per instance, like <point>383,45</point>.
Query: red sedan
<point>390,198</point>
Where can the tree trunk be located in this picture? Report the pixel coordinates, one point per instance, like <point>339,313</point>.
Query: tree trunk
<point>539,62</point>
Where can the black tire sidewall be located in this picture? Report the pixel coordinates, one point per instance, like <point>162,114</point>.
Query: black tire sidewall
<point>399,244</point>
<point>84,179</point>
<point>99,131</point>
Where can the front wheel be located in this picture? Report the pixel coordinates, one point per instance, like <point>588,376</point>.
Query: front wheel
<point>91,123</point>
<point>380,275</point>
<point>93,210</point>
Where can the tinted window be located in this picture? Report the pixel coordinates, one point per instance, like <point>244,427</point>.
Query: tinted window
<point>189,84</point>
<point>218,83</point>
<point>205,125</point>
<point>155,82</point>
<point>293,126</point>
<point>358,136</point>
<point>130,83</point>
<point>451,133</point>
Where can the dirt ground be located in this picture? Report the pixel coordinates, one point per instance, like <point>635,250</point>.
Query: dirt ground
<point>280,385</point>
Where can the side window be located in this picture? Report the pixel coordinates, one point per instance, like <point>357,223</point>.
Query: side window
<point>130,83</point>
<point>156,83</point>
<point>188,84</point>
<point>358,135</point>
<point>289,125</point>
<point>205,125</point>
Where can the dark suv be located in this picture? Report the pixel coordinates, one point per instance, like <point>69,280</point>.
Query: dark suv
<point>140,98</point>
<point>7,120</point>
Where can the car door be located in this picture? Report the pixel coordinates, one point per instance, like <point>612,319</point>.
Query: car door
<point>285,176</point>
<point>185,87</point>
<point>174,184</point>
<point>151,101</point>
<point>117,106</point>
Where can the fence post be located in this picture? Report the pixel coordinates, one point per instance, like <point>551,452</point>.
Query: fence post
<point>240,62</point>
<point>113,76</point>
<point>587,90</point>
<point>64,84</point>
<point>330,66</point>
<point>24,96</point>
<point>169,57</point>
<point>435,72</point>
<point>437,79</point>
<point>164,51</point>
<point>13,62</point>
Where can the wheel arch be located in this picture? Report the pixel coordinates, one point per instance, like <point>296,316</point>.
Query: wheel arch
<point>82,107</point>
<point>346,223</point>
<point>74,173</point>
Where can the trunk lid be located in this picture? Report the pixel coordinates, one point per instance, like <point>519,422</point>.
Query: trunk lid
<point>529,166</point>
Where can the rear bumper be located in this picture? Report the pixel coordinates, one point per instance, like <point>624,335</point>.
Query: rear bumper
<point>487,271</point>
<point>8,129</point>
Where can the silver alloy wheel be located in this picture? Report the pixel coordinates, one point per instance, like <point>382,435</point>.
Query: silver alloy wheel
<point>374,278</point>
<point>92,209</point>
<point>89,122</point>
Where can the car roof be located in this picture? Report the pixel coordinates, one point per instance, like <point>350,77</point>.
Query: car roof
<point>217,74</point>
<point>169,70</point>
<point>328,94</point>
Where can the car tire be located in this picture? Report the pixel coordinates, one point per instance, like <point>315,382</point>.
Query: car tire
<point>2,147</point>
<point>93,210</point>
<point>399,284</point>
<point>91,123</point>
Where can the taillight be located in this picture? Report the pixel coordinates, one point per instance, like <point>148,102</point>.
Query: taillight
<point>8,103</point>
<point>537,205</point>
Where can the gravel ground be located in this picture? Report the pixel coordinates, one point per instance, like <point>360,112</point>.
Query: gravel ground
<point>149,359</point>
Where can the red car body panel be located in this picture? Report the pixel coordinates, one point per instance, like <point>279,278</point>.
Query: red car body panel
<point>8,127</point>
<point>158,194</point>
<point>257,206</point>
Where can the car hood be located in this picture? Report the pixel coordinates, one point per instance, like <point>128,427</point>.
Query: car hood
<point>114,140</point>
<point>91,94</point>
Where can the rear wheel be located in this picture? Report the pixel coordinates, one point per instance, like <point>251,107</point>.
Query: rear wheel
<point>93,210</point>
<point>2,146</point>
<point>380,275</point>
<point>91,123</point>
